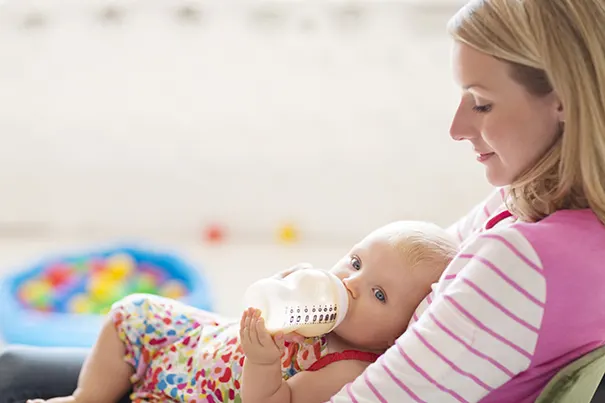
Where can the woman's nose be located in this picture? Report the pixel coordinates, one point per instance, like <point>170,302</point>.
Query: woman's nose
<point>463,127</point>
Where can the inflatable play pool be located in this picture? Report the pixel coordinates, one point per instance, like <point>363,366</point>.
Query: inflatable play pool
<point>61,300</point>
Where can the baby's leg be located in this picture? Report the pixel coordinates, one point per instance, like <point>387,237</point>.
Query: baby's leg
<point>140,325</point>
<point>105,376</point>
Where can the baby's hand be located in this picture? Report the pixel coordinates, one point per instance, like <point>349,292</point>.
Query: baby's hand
<point>259,347</point>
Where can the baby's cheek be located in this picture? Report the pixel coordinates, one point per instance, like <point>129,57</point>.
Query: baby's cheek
<point>340,273</point>
<point>389,323</point>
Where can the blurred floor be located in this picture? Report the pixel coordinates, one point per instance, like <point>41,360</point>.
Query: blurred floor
<point>230,268</point>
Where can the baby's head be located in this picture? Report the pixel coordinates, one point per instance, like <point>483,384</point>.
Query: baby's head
<point>388,274</point>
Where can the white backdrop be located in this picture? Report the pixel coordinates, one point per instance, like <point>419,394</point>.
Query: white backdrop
<point>258,113</point>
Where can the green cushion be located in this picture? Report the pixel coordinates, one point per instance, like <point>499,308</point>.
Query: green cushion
<point>578,381</point>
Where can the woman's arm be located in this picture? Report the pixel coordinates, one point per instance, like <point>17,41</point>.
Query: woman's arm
<point>462,230</point>
<point>479,332</point>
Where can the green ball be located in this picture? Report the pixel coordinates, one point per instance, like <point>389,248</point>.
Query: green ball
<point>42,301</point>
<point>145,286</point>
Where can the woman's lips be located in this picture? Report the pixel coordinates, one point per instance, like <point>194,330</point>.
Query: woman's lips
<point>482,157</point>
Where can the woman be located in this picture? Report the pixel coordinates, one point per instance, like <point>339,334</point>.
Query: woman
<point>518,302</point>
<point>524,296</point>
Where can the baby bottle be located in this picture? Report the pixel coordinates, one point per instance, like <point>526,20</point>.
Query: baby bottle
<point>311,302</point>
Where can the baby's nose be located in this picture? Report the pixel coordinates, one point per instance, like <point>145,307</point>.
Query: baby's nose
<point>352,286</point>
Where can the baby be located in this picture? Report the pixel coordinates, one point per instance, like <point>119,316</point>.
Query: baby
<point>168,351</point>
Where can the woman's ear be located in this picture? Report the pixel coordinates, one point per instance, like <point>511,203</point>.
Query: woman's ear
<point>555,103</point>
<point>560,109</point>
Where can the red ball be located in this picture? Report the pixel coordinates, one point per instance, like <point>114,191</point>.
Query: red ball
<point>59,274</point>
<point>214,233</point>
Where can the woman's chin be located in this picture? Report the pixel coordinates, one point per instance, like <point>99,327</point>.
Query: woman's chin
<point>496,181</point>
<point>497,175</point>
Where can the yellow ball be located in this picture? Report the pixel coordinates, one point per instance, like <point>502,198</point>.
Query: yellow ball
<point>119,266</point>
<point>102,277</point>
<point>101,290</point>
<point>288,233</point>
<point>37,293</point>
<point>173,289</point>
<point>80,304</point>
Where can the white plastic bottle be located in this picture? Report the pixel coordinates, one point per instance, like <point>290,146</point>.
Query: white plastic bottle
<point>311,302</point>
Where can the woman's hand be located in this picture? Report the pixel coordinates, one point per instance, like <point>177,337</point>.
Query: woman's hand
<point>258,345</point>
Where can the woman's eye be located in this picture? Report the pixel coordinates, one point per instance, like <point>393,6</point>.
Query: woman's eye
<point>356,262</point>
<point>380,295</point>
<point>482,108</point>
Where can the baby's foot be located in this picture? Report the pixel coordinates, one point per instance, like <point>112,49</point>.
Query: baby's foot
<point>67,399</point>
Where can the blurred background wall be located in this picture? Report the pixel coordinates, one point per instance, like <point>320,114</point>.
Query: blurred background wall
<point>151,120</point>
<point>160,116</point>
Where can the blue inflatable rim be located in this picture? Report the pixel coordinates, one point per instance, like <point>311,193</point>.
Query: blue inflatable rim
<point>21,325</point>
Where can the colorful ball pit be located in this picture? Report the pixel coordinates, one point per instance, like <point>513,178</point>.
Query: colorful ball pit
<point>62,301</point>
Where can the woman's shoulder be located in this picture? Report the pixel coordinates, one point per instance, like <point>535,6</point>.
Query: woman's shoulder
<point>565,236</point>
<point>584,219</point>
<point>558,227</point>
<point>578,234</point>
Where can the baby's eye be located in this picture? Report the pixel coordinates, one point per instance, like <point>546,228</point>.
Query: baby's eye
<point>356,262</point>
<point>379,295</point>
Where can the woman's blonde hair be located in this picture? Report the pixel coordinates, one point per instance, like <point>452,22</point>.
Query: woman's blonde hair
<point>551,45</point>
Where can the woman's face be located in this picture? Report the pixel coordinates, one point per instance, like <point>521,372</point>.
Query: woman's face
<point>509,128</point>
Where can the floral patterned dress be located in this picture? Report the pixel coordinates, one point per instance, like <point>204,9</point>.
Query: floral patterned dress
<point>182,354</point>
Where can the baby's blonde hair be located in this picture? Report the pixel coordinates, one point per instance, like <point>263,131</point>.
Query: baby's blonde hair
<point>421,245</point>
<point>551,45</point>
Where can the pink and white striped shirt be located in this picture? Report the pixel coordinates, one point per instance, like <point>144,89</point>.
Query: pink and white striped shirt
<point>519,302</point>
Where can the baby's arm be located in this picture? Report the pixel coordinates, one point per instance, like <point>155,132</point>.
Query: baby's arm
<point>262,380</point>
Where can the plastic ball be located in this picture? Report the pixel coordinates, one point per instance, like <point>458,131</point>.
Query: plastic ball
<point>95,265</point>
<point>214,233</point>
<point>102,277</point>
<point>145,284</point>
<point>104,291</point>
<point>152,272</point>
<point>288,233</point>
<point>80,303</point>
<point>99,290</point>
<point>173,289</point>
<point>59,274</point>
<point>36,293</point>
<point>120,266</point>
<point>33,289</point>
